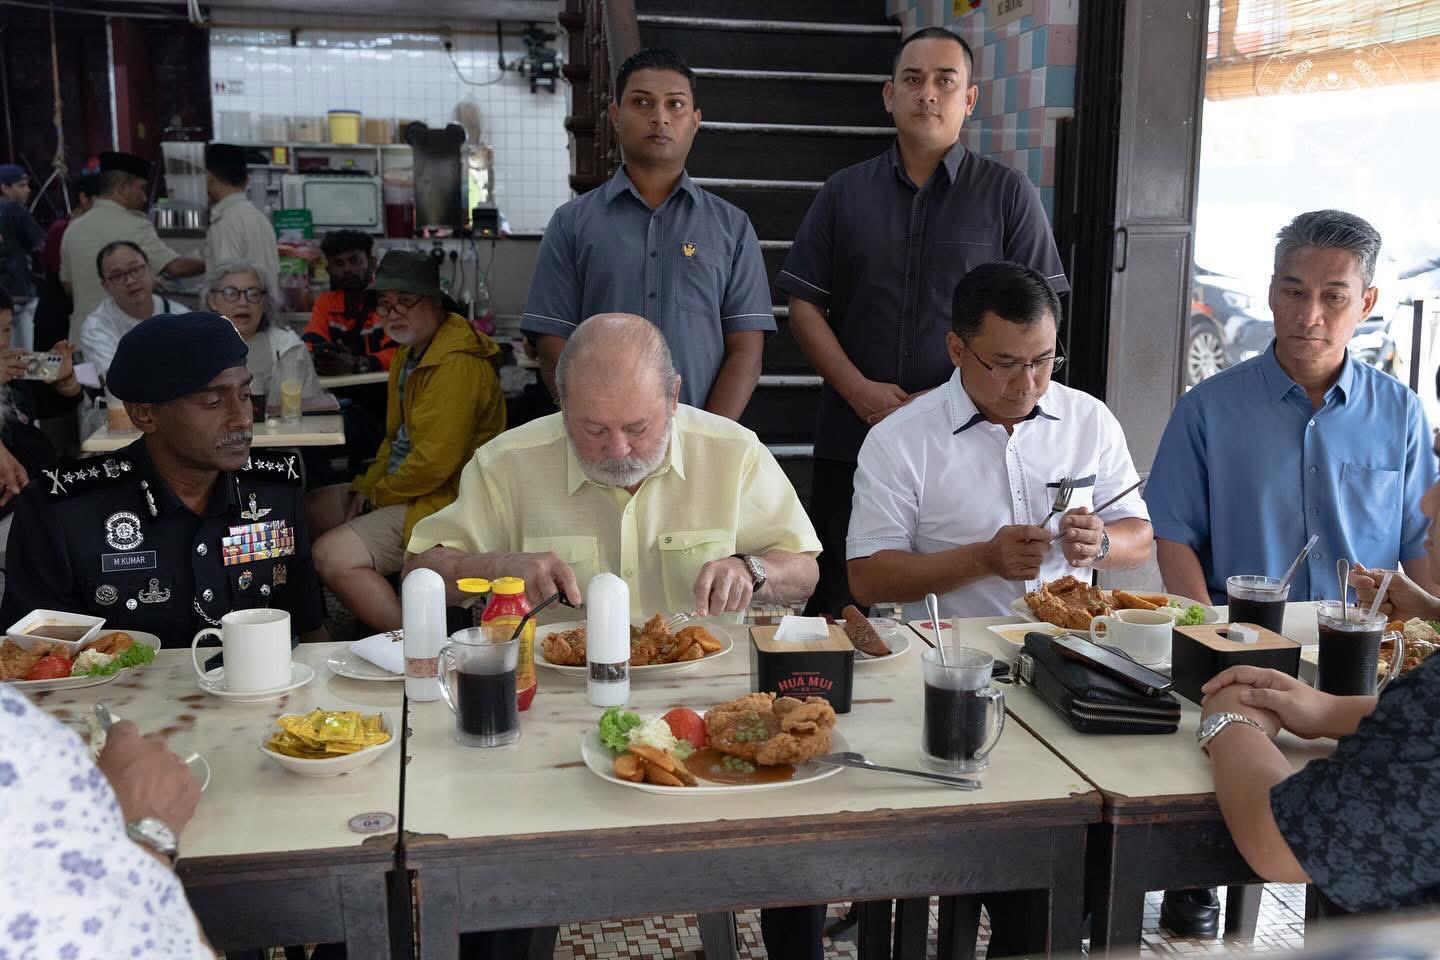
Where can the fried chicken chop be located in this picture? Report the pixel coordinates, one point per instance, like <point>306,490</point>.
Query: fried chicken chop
<point>15,663</point>
<point>1069,603</point>
<point>770,731</point>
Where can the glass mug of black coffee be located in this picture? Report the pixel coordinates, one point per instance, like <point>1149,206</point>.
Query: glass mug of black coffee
<point>481,661</point>
<point>1258,600</point>
<point>964,714</point>
<point>1349,663</point>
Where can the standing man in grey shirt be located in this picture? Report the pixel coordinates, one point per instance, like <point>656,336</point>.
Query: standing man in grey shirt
<point>877,260</point>
<point>651,243</point>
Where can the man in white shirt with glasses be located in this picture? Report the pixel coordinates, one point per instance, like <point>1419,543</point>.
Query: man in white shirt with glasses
<point>953,492</point>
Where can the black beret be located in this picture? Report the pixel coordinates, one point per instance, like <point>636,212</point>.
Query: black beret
<point>174,354</point>
<point>127,162</point>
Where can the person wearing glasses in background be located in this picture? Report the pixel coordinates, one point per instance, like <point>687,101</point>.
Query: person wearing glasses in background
<point>985,454</point>
<point>130,297</point>
<point>444,402</point>
<point>237,289</point>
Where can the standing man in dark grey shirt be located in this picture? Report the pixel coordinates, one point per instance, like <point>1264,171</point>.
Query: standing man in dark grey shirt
<point>652,243</point>
<point>878,257</point>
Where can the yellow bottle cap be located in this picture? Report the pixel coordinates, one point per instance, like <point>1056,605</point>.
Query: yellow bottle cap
<point>507,586</point>
<point>473,585</point>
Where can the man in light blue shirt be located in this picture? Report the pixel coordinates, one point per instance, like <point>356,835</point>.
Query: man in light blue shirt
<point>1301,440</point>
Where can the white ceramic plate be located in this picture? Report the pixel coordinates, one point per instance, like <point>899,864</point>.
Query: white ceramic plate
<point>601,761</point>
<point>1022,609</point>
<point>346,664</point>
<point>727,643</point>
<point>334,766</point>
<point>899,645</point>
<point>95,738</point>
<point>75,683</point>
<point>214,684</point>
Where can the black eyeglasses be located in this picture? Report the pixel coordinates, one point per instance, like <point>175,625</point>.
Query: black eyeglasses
<point>398,307</point>
<point>125,276</point>
<point>234,294</point>
<point>1009,370</point>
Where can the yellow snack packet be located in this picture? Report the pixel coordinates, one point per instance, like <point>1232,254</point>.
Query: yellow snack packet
<point>326,733</point>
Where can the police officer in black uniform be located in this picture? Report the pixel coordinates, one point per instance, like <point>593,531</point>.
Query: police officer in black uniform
<point>172,532</point>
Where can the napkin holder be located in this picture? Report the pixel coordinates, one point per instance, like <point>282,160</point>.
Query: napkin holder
<point>1199,653</point>
<point>820,667</point>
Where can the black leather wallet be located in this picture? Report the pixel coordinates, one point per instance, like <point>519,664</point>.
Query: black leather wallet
<point>1091,701</point>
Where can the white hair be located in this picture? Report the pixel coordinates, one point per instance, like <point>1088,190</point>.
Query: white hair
<point>608,334</point>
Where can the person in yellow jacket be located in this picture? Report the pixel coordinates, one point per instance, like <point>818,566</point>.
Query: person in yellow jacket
<point>444,402</point>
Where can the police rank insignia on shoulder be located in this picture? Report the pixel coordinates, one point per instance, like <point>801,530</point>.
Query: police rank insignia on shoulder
<point>276,466</point>
<point>70,477</point>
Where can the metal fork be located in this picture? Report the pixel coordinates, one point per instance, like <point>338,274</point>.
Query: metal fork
<point>676,621</point>
<point>1063,493</point>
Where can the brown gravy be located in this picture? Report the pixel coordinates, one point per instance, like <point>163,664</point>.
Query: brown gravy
<point>706,765</point>
<point>57,631</point>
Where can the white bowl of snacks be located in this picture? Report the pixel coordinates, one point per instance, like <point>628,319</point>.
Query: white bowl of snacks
<point>327,743</point>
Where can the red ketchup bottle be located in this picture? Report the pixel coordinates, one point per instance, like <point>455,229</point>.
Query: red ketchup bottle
<point>507,607</point>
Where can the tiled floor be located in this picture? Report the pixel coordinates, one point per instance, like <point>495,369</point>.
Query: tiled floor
<point>1282,926</point>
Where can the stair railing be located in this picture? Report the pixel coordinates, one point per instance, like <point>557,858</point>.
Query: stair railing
<point>602,34</point>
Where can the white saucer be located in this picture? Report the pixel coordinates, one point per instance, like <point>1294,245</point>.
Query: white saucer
<point>213,683</point>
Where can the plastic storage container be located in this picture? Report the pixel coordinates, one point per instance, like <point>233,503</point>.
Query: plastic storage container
<point>344,126</point>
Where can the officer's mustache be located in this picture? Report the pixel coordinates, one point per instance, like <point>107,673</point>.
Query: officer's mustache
<point>235,439</point>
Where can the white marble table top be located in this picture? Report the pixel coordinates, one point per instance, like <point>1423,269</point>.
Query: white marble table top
<point>1131,766</point>
<point>539,785</point>
<point>252,806</point>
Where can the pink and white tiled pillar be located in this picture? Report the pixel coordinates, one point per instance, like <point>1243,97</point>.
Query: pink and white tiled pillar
<point>1026,73</point>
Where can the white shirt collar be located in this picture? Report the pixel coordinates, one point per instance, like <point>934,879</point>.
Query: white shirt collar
<point>964,414</point>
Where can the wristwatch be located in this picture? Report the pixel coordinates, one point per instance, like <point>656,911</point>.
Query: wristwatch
<point>154,833</point>
<point>1211,726</point>
<point>1104,548</point>
<point>756,566</point>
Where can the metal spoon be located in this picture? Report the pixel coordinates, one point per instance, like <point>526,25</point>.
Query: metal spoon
<point>932,607</point>
<point>1342,572</point>
<point>1304,552</point>
<point>858,761</point>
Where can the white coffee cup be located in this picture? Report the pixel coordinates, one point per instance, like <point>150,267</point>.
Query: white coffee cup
<point>1144,634</point>
<point>257,649</point>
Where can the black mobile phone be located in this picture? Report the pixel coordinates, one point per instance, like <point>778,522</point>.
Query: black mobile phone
<point>1120,667</point>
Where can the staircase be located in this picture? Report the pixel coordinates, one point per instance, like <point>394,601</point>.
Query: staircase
<point>790,93</point>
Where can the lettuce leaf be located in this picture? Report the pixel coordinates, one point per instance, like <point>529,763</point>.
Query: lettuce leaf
<point>138,655</point>
<point>615,726</point>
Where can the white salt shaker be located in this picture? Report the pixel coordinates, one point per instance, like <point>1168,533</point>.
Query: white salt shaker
<point>422,602</point>
<point>607,640</point>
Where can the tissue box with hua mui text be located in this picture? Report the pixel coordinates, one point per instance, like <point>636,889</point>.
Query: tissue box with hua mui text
<point>812,666</point>
<point>1199,653</point>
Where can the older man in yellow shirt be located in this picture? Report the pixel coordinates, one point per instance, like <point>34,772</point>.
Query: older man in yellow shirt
<point>688,507</point>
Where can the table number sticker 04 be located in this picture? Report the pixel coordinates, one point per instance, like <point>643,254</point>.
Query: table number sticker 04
<point>376,822</point>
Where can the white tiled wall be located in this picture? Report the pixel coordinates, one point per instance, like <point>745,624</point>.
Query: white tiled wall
<point>406,77</point>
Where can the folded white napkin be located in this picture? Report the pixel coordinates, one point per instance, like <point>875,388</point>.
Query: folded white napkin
<point>385,650</point>
<point>800,629</point>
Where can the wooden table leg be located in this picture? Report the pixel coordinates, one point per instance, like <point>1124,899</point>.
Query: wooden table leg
<point>717,935</point>
<point>542,942</point>
<point>912,928</point>
<point>438,899</point>
<point>1067,892</point>
<point>1242,910</point>
<point>958,928</point>
<point>1114,889</point>
<point>367,916</point>
<point>873,940</point>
